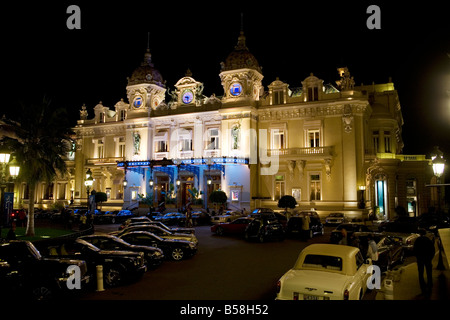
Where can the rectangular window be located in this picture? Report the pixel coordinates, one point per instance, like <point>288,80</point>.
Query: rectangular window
<point>122,147</point>
<point>102,117</point>
<point>160,141</point>
<point>122,114</point>
<point>100,148</point>
<point>387,142</point>
<point>161,146</point>
<point>278,97</point>
<point>278,139</point>
<point>185,137</point>
<point>213,139</point>
<point>314,187</point>
<point>376,143</point>
<point>313,94</point>
<point>279,187</point>
<point>313,138</point>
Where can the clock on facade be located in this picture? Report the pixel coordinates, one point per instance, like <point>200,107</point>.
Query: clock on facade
<point>187,97</point>
<point>137,103</point>
<point>236,89</point>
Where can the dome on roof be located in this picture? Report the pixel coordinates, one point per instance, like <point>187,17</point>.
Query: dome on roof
<point>240,57</point>
<point>146,73</point>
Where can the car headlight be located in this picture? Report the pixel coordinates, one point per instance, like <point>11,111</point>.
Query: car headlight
<point>192,245</point>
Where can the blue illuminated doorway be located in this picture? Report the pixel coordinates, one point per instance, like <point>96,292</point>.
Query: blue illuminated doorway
<point>381,197</point>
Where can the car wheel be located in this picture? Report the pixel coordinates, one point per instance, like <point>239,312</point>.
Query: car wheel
<point>220,231</point>
<point>112,275</point>
<point>177,254</point>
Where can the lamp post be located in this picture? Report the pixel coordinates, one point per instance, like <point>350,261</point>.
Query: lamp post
<point>438,163</point>
<point>88,182</point>
<point>14,169</point>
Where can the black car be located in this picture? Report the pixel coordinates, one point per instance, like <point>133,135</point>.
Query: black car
<point>174,249</point>
<point>400,224</point>
<point>25,273</point>
<point>390,248</point>
<point>336,234</point>
<point>294,227</point>
<point>145,220</point>
<point>153,256</point>
<point>264,227</point>
<point>118,266</point>
<point>163,233</point>
<point>433,221</point>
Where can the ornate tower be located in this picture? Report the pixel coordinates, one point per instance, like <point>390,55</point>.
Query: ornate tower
<point>146,87</point>
<point>241,74</point>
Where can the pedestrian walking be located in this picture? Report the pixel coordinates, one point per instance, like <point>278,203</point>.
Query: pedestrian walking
<point>344,239</point>
<point>424,251</point>
<point>305,227</point>
<point>372,248</point>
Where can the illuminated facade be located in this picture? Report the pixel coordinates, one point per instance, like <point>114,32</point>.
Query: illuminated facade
<point>334,147</point>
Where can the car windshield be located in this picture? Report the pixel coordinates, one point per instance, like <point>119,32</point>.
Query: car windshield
<point>321,262</point>
<point>336,215</point>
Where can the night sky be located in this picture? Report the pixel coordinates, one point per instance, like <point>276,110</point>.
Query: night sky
<point>289,39</point>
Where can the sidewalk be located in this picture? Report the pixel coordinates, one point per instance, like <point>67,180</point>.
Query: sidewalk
<point>406,283</point>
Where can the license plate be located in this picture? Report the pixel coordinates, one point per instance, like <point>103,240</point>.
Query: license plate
<point>309,297</point>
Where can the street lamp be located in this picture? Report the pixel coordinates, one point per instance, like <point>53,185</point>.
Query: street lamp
<point>88,182</point>
<point>14,168</point>
<point>438,163</point>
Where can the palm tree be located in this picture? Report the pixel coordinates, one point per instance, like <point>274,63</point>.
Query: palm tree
<point>40,142</point>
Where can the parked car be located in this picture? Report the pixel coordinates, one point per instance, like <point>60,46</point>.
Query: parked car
<point>201,218</point>
<point>173,249</point>
<point>294,227</point>
<point>228,216</point>
<point>153,256</point>
<point>25,273</point>
<point>336,234</point>
<point>171,219</point>
<point>405,227</point>
<point>263,228</point>
<point>118,266</point>
<point>390,248</point>
<point>433,221</point>
<point>258,211</point>
<point>325,272</point>
<point>237,226</point>
<point>123,215</point>
<point>335,218</point>
<point>105,217</point>
<point>145,220</point>
<point>163,233</point>
<point>301,213</point>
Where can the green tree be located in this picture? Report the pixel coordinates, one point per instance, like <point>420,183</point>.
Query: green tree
<point>218,197</point>
<point>40,141</point>
<point>286,202</point>
<point>101,197</point>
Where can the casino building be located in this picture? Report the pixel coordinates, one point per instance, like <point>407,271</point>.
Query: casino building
<point>334,147</point>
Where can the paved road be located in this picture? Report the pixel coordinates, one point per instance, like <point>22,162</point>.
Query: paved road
<point>225,268</point>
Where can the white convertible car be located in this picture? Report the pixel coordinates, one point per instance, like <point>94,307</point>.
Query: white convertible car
<point>325,272</point>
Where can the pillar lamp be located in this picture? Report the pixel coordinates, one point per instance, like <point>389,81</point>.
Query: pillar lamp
<point>88,182</point>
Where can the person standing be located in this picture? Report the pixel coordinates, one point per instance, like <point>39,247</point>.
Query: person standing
<point>372,248</point>
<point>424,251</point>
<point>305,226</point>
